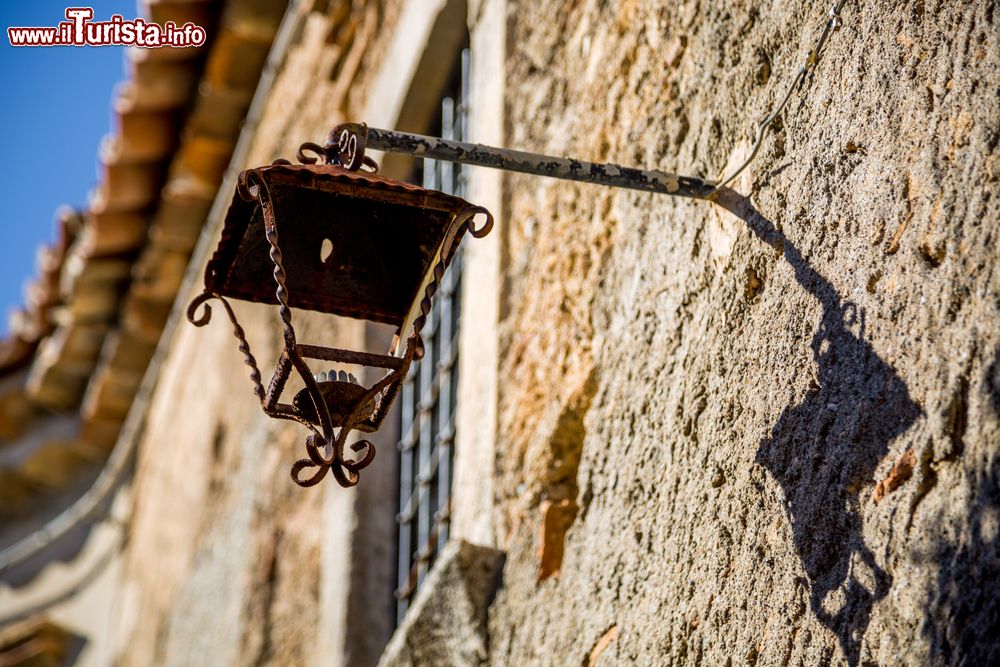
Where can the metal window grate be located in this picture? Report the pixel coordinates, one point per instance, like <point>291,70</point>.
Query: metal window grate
<point>428,395</point>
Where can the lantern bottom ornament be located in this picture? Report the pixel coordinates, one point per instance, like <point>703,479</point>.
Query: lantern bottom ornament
<point>351,243</point>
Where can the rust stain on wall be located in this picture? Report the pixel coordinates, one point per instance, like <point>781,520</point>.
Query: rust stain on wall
<point>900,472</point>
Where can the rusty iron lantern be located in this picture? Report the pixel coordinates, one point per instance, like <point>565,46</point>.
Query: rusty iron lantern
<point>391,243</point>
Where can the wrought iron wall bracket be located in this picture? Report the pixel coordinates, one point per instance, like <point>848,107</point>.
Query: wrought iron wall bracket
<point>346,145</point>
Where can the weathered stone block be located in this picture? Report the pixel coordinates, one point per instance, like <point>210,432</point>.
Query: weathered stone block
<point>447,623</point>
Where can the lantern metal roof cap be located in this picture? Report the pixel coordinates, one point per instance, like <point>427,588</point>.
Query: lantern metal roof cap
<point>384,236</point>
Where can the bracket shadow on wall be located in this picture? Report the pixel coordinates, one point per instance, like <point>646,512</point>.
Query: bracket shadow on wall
<point>368,247</point>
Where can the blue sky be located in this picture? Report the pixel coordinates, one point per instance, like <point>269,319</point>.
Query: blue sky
<point>56,107</point>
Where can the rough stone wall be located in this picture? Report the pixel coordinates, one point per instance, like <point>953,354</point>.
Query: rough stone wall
<point>766,433</point>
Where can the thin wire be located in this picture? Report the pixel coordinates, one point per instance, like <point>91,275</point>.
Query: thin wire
<point>833,23</point>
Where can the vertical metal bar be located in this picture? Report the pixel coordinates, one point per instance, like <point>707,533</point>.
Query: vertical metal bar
<point>444,338</point>
<point>443,369</point>
<point>405,491</point>
<point>426,443</point>
<point>425,373</point>
<point>430,174</point>
<point>448,132</point>
<point>444,406</point>
<point>463,119</point>
<point>449,381</point>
